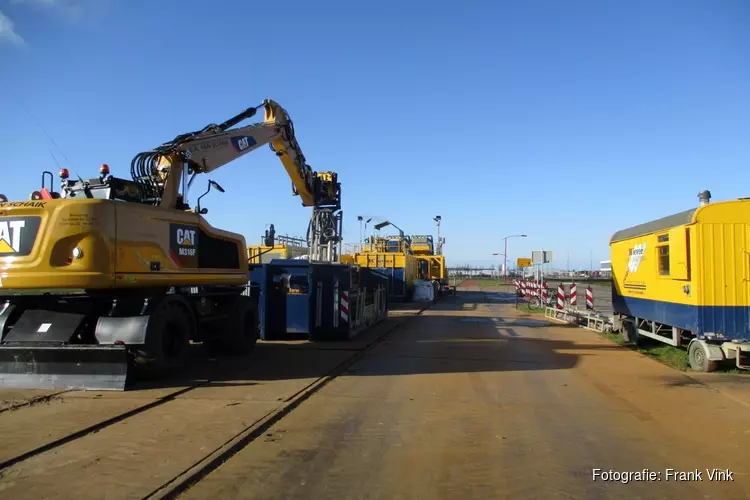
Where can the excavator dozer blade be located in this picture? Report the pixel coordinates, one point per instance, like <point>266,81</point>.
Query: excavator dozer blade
<point>63,367</point>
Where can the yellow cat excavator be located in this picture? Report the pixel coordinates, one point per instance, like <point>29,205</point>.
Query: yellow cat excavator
<point>111,272</point>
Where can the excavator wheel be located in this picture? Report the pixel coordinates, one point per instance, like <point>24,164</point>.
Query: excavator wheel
<point>241,329</point>
<point>168,334</point>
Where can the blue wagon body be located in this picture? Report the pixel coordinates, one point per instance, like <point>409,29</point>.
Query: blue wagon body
<point>732,321</point>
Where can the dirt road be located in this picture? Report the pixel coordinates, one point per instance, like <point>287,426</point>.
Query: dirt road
<point>470,399</point>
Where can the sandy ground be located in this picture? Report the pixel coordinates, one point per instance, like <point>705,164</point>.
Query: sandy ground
<point>471,399</point>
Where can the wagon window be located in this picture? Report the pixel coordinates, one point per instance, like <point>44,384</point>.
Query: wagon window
<point>663,253</point>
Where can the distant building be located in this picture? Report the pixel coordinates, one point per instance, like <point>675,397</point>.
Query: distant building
<point>605,268</point>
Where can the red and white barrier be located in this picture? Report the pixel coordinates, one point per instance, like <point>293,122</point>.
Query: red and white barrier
<point>530,288</point>
<point>344,305</point>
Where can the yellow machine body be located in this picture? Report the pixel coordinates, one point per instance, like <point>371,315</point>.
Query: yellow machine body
<point>103,244</point>
<point>391,256</point>
<point>434,266</point>
<point>430,266</point>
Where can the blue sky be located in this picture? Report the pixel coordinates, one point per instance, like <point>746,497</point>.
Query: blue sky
<point>563,120</point>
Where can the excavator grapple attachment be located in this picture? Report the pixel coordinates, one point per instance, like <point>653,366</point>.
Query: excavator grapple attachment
<point>24,366</point>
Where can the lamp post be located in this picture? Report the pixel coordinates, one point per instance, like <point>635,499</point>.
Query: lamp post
<point>504,259</point>
<point>361,232</point>
<point>439,249</point>
<point>505,255</point>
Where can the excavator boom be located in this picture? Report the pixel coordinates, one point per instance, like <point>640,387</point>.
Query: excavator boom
<point>217,145</point>
<point>169,169</point>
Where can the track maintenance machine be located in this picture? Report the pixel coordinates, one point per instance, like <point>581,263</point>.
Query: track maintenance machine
<point>430,265</point>
<point>112,273</point>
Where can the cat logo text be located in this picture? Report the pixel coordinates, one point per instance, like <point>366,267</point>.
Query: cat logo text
<point>186,242</point>
<point>10,235</point>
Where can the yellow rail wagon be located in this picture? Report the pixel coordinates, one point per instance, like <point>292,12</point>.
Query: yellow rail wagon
<point>391,255</point>
<point>687,277</point>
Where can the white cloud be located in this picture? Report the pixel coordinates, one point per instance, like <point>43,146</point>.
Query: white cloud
<point>71,11</point>
<point>8,31</point>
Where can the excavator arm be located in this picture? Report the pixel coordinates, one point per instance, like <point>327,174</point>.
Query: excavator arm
<point>162,171</point>
<point>167,171</point>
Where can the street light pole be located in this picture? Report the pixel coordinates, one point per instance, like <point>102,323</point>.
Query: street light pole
<point>498,272</point>
<point>361,232</point>
<point>505,256</point>
<point>439,248</point>
<point>505,265</point>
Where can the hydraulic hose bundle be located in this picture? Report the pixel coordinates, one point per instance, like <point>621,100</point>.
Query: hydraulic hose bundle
<point>144,173</point>
<point>323,226</point>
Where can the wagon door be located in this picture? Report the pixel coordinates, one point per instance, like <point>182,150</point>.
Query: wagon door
<point>744,284</point>
<point>725,289</point>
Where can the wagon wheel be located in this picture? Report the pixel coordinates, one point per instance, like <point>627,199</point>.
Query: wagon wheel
<point>698,358</point>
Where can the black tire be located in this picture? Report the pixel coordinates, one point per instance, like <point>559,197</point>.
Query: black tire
<point>241,329</point>
<point>168,335</point>
<point>698,359</point>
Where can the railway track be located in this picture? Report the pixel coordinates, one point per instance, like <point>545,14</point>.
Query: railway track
<point>213,456</point>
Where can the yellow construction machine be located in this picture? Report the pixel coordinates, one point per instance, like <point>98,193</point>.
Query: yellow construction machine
<point>113,272</point>
<point>431,265</point>
<point>391,256</point>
